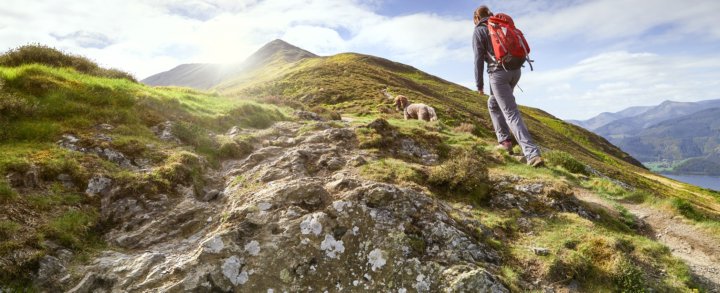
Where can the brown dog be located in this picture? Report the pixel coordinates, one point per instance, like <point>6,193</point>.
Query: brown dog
<point>414,111</point>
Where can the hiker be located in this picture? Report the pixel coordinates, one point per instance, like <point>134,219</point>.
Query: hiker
<point>502,76</point>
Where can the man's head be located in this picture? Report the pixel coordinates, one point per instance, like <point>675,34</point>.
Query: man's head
<point>480,13</point>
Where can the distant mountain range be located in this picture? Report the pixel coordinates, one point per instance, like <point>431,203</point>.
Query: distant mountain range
<point>677,137</point>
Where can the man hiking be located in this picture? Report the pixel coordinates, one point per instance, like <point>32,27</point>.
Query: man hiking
<point>503,76</point>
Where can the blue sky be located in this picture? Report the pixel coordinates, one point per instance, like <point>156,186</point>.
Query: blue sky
<point>591,56</point>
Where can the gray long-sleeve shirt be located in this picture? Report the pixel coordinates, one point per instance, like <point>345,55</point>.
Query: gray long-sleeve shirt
<point>483,50</point>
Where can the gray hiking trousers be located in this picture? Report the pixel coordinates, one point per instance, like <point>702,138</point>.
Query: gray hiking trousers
<point>504,111</point>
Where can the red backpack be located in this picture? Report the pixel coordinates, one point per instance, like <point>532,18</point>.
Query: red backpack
<point>511,48</point>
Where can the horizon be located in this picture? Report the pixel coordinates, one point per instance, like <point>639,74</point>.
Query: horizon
<point>585,65</point>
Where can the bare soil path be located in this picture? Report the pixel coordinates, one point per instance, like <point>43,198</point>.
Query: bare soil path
<point>699,250</point>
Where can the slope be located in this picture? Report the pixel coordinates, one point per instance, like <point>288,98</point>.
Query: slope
<point>352,83</point>
<point>115,186</point>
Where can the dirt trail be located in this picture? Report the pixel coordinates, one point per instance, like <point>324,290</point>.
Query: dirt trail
<point>699,250</point>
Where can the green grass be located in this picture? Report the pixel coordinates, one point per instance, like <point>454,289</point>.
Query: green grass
<point>8,228</point>
<point>601,260</point>
<point>29,54</point>
<point>72,228</point>
<point>609,189</point>
<point>564,160</point>
<point>393,171</point>
<point>7,193</point>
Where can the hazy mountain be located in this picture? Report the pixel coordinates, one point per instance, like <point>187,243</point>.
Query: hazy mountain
<point>630,126</point>
<point>205,76</point>
<point>691,136</point>
<point>607,117</point>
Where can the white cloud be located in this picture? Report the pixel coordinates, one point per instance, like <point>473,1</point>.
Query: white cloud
<point>599,20</point>
<point>616,80</point>
<point>146,37</point>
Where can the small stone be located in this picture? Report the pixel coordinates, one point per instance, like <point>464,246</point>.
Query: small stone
<point>105,126</point>
<point>540,251</point>
<point>98,185</point>
<point>211,195</point>
<point>66,180</point>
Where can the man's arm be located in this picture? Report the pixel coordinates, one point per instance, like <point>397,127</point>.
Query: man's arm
<point>480,51</point>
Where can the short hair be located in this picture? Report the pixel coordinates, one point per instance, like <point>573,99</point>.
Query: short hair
<point>480,13</point>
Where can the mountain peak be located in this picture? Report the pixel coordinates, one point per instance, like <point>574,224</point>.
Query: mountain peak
<point>278,49</point>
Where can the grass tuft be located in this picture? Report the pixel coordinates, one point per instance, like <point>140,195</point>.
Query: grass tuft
<point>465,173</point>
<point>564,160</point>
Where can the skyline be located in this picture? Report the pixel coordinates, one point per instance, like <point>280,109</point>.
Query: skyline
<point>591,56</point>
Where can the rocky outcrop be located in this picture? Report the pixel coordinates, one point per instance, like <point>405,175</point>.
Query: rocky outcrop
<point>292,217</point>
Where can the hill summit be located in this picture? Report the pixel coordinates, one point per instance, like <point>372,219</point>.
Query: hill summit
<point>208,75</point>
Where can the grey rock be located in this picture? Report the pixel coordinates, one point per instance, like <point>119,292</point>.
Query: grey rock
<point>534,188</point>
<point>98,185</point>
<point>29,179</point>
<point>306,115</point>
<point>105,126</point>
<point>103,137</point>
<point>468,279</point>
<point>164,131</point>
<point>212,195</point>
<point>69,142</point>
<point>540,251</point>
<point>66,180</point>
<point>50,270</point>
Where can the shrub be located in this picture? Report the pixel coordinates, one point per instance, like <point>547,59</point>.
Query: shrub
<point>629,278</point>
<point>686,209</point>
<point>8,228</point>
<point>326,113</point>
<point>234,149</point>
<point>466,171</point>
<point>6,192</point>
<point>465,127</point>
<point>45,55</point>
<point>14,106</point>
<point>565,160</point>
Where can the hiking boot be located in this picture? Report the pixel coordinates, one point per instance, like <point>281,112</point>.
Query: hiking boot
<point>505,145</point>
<point>536,162</point>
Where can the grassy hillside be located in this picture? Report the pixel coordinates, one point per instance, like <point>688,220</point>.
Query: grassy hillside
<point>42,187</point>
<point>40,104</point>
<point>351,84</point>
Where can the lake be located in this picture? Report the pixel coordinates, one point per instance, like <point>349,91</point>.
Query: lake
<point>711,182</point>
